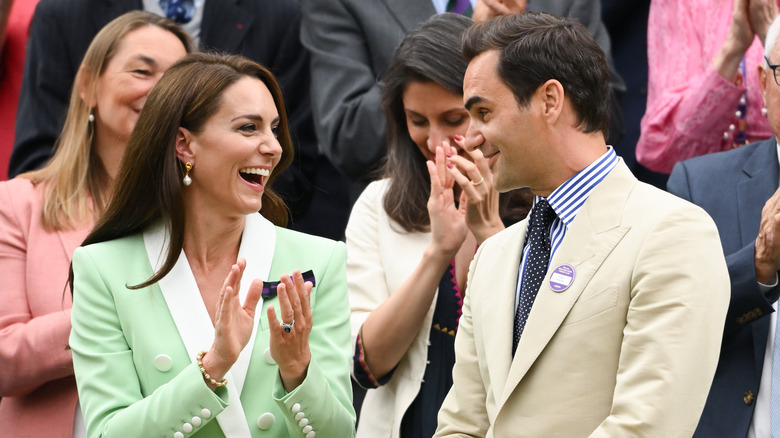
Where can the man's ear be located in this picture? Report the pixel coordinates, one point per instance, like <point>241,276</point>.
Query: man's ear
<point>552,96</point>
<point>763,75</point>
<point>184,149</point>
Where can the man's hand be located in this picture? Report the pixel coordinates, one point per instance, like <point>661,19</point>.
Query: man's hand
<point>767,255</point>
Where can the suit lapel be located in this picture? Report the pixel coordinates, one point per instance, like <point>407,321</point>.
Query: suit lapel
<point>590,238</point>
<point>760,184</point>
<point>499,312</point>
<point>70,239</point>
<point>189,313</point>
<point>257,245</point>
<point>225,25</point>
<point>410,13</point>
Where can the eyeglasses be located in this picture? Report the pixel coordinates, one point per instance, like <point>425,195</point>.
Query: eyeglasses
<point>774,69</point>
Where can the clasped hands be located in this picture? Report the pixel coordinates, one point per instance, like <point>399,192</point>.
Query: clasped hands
<point>234,323</point>
<point>767,252</point>
<point>750,18</point>
<point>478,204</point>
<point>487,9</point>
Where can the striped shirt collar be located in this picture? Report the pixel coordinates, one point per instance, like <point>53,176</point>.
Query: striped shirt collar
<point>569,197</point>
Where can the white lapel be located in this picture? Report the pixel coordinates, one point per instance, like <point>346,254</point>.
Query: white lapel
<point>189,313</point>
<point>257,247</point>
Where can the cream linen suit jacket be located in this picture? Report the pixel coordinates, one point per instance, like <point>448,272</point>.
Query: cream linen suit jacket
<point>628,350</point>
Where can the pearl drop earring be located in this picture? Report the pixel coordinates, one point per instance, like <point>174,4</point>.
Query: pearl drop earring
<point>187,180</point>
<point>764,111</point>
<point>91,117</point>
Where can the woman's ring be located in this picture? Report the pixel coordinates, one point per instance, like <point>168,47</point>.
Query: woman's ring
<point>288,327</point>
<point>481,180</point>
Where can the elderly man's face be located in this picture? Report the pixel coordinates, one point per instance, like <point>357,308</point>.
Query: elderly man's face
<point>770,90</point>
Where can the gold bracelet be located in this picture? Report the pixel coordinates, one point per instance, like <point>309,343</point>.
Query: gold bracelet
<point>199,360</point>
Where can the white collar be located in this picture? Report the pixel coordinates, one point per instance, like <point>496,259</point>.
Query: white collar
<point>185,303</point>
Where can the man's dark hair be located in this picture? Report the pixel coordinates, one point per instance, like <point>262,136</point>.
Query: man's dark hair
<point>536,47</point>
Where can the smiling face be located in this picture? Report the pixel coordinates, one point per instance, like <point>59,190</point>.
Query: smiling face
<point>141,57</point>
<point>234,152</point>
<point>433,114</point>
<point>508,135</point>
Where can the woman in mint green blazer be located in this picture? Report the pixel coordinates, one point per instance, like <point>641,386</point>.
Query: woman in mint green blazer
<point>178,328</point>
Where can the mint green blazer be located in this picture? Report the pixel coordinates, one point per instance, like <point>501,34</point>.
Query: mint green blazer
<point>133,349</point>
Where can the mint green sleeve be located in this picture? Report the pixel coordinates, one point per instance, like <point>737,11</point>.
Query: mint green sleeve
<point>325,396</point>
<point>110,391</point>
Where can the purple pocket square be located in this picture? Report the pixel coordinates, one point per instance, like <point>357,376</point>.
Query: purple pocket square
<point>269,287</point>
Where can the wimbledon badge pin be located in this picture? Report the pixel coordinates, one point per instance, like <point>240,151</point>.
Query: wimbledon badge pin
<point>561,278</point>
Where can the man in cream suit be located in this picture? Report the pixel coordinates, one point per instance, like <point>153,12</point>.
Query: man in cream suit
<point>603,318</point>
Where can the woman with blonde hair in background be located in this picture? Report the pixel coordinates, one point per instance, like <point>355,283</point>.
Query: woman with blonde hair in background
<point>45,214</point>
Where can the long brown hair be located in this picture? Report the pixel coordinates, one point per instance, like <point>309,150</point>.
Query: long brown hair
<point>149,182</point>
<point>75,173</point>
<point>430,53</point>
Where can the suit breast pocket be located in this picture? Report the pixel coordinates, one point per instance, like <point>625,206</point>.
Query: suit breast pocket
<point>591,305</point>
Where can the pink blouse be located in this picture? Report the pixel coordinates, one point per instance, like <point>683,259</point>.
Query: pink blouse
<point>690,107</point>
<point>37,386</point>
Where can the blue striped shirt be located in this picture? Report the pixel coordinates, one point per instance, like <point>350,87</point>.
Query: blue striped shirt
<point>566,201</point>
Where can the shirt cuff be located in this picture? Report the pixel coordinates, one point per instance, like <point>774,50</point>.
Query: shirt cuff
<point>765,288</point>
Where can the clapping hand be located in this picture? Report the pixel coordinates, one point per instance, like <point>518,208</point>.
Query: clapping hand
<point>448,225</point>
<point>767,251</point>
<point>477,192</point>
<point>290,338</point>
<point>233,323</point>
<point>741,32</point>
<point>761,13</point>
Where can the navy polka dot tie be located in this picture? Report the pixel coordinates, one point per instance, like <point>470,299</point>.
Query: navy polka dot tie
<point>180,11</point>
<point>542,217</point>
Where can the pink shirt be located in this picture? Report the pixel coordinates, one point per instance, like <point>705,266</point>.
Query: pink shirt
<point>37,386</point>
<point>689,105</point>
